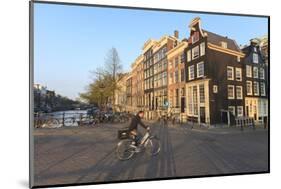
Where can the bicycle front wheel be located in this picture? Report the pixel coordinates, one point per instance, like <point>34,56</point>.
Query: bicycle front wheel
<point>124,151</point>
<point>53,123</point>
<point>153,146</point>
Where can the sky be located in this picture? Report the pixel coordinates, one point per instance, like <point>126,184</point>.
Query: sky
<point>71,41</point>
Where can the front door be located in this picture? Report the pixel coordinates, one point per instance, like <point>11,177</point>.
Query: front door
<point>182,104</point>
<point>224,117</point>
<point>202,115</point>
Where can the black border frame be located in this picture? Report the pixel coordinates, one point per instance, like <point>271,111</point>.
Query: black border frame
<point>31,82</point>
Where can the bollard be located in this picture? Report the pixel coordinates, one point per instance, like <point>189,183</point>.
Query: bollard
<point>63,119</point>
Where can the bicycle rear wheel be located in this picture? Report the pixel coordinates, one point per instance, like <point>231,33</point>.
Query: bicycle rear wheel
<point>124,151</point>
<point>153,146</point>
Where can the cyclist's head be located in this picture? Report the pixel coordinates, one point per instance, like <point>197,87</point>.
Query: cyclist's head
<point>141,114</point>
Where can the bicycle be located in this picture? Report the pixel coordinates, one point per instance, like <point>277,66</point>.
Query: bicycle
<point>46,122</point>
<point>125,148</point>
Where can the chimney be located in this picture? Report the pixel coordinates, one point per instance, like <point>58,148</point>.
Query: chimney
<point>176,34</point>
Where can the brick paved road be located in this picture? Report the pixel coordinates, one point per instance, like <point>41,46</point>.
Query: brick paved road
<point>79,155</point>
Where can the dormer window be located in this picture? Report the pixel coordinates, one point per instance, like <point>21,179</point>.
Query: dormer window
<point>255,58</point>
<point>224,45</point>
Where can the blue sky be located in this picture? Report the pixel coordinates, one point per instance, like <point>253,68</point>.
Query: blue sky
<point>70,41</point>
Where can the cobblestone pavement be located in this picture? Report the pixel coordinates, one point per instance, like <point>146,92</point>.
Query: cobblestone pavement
<point>81,155</point>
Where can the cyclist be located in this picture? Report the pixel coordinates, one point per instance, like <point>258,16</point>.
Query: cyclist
<point>133,128</point>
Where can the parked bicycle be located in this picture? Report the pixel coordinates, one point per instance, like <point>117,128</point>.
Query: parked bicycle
<point>46,122</point>
<point>149,143</point>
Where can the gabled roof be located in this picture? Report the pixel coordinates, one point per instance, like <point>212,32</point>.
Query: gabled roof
<point>217,39</point>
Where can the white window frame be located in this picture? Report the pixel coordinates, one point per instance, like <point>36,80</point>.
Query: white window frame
<point>248,71</point>
<point>232,110</point>
<point>238,59</point>
<point>189,73</point>
<point>215,89</point>
<point>232,71</point>
<point>262,73</point>
<point>255,58</point>
<point>224,44</point>
<point>202,48</point>
<point>238,96</point>
<point>188,54</point>
<point>238,70</point>
<point>263,93</point>
<point>251,88</point>
<point>255,72</point>
<point>197,50</point>
<point>198,66</point>
<point>233,92</point>
<point>256,93</point>
<point>240,111</point>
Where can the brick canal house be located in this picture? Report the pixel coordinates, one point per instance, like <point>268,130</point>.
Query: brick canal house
<point>214,82</point>
<point>155,75</point>
<point>205,79</point>
<point>148,78</point>
<point>255,74</point>
<point>176,81</point>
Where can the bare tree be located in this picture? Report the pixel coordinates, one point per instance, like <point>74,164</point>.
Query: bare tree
<point>102,89</point>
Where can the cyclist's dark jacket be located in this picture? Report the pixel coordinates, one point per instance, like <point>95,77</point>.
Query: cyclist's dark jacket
<point>134,123</point>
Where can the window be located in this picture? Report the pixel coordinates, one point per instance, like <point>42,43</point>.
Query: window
<point>255,72</point>
<point>182,75</point>
<point>202,48</point>
<point>238,74</point>
<point>231,109</point>
<point>171,78</point>
<point>176,61</point>
<point>255,58</point>
<point>188,56</point>
<point>230,75</point>
<point>201,93</point>
<point>189,94</point>
<point>248,71</point>
<point>165,78</point>
<point>200,69</point>
<point>170,64</point>
<point>195,52</point>
<point>176,76</point>
<point>195,101</point>
<point>249,87</point>
<point>223,44</point>
<point>239,92</point>
<point>239,111</point>
<point>230,91</point>
<point>191,72</point>
<point>182,58</point>
<point>262,73</point>
<point>263,89</point>
<point>238,59</point>
<point>195,37</point>
<point>215,89</point>
<point>183,91</point>
<point>256,88</point>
